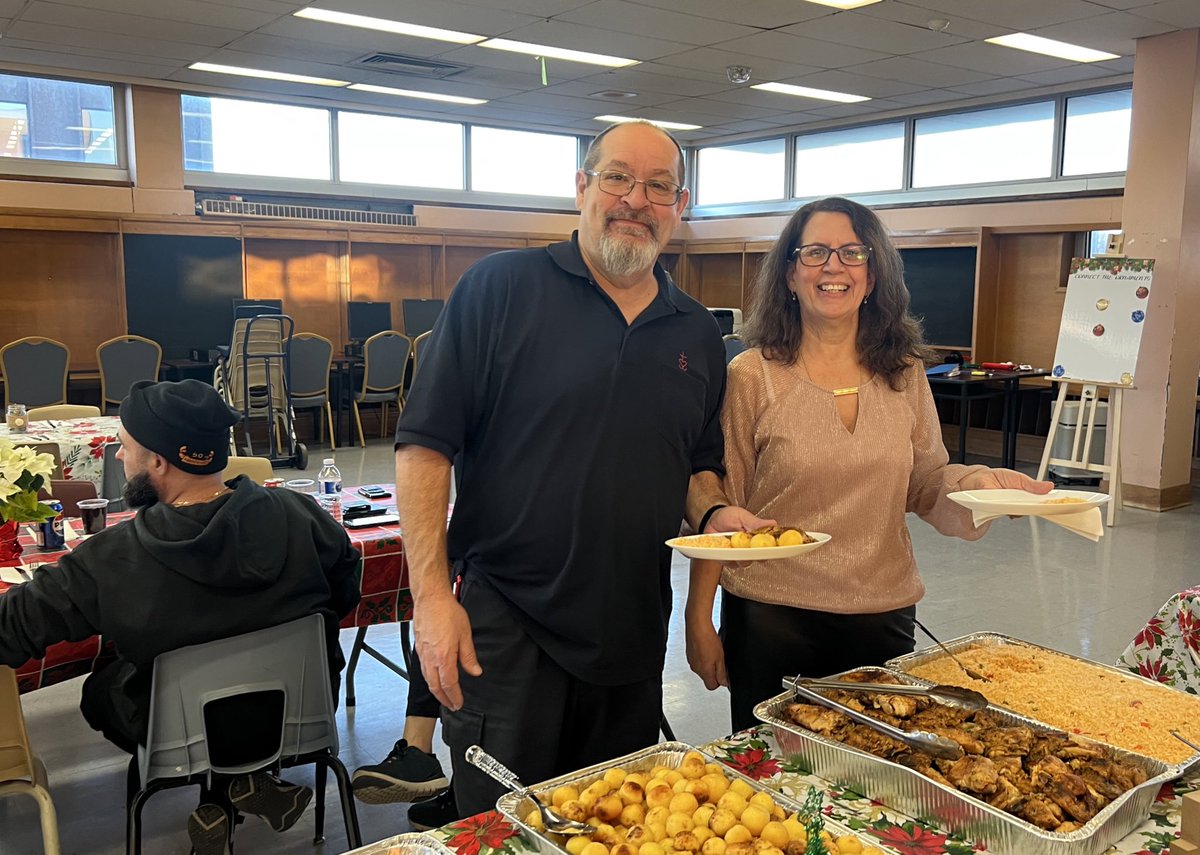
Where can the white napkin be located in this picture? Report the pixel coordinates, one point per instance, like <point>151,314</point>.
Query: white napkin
<point>1087,523</point>
<point>69,532</point>
<point>11,575</point>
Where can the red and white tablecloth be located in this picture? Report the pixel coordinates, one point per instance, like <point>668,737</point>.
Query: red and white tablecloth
<point>80,443</point>
<point>383,580</point>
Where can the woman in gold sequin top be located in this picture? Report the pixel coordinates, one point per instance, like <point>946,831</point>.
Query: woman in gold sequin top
<point>829,425</point>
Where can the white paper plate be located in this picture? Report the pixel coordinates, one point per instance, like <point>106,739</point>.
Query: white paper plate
<point>683,545</point>
<point>1021,503</point>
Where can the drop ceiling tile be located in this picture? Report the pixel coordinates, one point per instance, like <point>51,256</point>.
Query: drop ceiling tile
<point>1178,13</point>
<point>625,17</point>
<point>11,8</point>
<point>854,84</point>
<point>864,108</point>
<point>137,26</point>
<point>540,99</point>
<point>519,65</point>
<point>290,65</point>
<point>536,8</point>
<point>917,72</point>
<point>1074,74</point>
<point>87,40</point>
<point>733,107</point>
<point>189,11</point>
<point>1114,32</point>
<point>270,45</point>
<point>919,16</point>
<point>789,48</point>
<point>794,119</point>
<point>764,14</point>
<point>714,61</point>
<point>1012,15</point>
<point>577,37</point>
<point>586,90</point>
<point>1124,4</point>
<point>35,53</point>
<point>276,7</point>
<point>644,85</point>
<point>926,97</point>
<point>995,86</point>
<point>354,38</point>
<point>993,60</point>
<point>878,34</point>
<point>772,102</point>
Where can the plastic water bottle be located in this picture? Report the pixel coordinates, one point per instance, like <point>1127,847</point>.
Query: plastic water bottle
<point>329,488</point>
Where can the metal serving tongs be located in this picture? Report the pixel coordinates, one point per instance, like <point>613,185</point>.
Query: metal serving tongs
<point>951,696</point>
<point>974,675</point>
<point>918,740</point>
<point>496,770</point>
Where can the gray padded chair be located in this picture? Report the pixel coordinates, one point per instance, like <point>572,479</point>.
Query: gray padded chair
<point>113,485</point>
<point>123,361</point>
<point>287,667</point>
<point>385,359</point>
<point>35,371</point>
<point>309,363</point>
<point>733,346</point>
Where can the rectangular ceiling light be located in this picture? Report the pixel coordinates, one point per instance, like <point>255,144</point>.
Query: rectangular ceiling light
<point>844,4</point>
<point>329,16</point>
<point>670,126</point>
<point>558,53</point>
<point>807,92</point>
<point>1050,47</point>
<point>412,93</point>
<point>266,75</point>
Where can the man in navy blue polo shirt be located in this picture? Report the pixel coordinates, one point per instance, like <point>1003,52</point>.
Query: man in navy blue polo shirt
<point>579,390</point>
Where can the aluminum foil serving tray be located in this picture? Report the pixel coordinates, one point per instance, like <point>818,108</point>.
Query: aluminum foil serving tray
<point>669,754</point>
<point>413,843</point>
<point>912,793</point>
<point>996,639</point>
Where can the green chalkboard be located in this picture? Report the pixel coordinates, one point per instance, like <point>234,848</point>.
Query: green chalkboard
<point>179,290</point>
<point>941,281</point>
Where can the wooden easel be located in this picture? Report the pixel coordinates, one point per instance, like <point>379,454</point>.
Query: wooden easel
<point>1081,448</point>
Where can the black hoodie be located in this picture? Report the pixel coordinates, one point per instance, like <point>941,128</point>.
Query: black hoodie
<point>171,577</point>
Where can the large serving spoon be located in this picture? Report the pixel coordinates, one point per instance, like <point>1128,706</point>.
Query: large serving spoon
<point>974,675</point>
<point>918,740</point>
<point>496,770</point>
<point>951,696</point>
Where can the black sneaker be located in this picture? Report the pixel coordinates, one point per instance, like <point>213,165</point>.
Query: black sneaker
<point>208,829</point>
<point>406,775</point>
<point>275,801</point>
<point>435,812</point>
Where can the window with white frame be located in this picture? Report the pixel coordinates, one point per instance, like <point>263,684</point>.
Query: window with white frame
<point>523,162</point>
<point>856,160</point>
<point>229,135</point>
<point>745,172</point>
<point>57,120</point>
<point>1002,144</point>
<point>375,149</point>
<point>1097,133</point>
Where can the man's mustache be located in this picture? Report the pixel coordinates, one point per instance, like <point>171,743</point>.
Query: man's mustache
<point>637,216</point>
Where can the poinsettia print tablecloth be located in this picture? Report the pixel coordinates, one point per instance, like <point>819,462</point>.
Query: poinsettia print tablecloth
<point>1168,647</point>
<point>80,443</point>
<point>755,754</point>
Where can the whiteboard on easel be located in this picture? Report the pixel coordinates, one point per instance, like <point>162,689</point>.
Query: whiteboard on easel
<point>1102,320</point>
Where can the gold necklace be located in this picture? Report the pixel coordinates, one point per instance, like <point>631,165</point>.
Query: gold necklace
<point>215,495</point>
<point>837,393</point>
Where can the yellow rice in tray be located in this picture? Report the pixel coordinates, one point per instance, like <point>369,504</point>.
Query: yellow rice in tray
<point>1077,697</point>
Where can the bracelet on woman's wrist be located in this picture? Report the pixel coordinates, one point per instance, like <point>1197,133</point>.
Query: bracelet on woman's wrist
<point>708,516</point>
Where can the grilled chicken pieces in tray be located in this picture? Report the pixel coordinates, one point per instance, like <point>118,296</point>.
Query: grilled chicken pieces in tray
<point>1047,779</point>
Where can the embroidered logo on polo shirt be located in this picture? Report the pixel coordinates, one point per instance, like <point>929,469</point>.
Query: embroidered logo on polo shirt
<point>682,361</point>
<point>193,458</point>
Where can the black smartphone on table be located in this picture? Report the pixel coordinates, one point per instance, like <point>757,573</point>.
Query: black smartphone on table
<point>374,492</point>
<point>389,518</point>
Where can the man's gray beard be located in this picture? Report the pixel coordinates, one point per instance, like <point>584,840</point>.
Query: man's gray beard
<point>624,256</point>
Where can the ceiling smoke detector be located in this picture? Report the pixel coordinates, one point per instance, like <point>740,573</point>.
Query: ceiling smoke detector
<point>738,73</point>
<point>938,25</point>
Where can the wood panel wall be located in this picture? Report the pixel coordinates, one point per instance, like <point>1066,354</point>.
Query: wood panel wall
<point>389,272</point>
<point>1031,271</point>
<point>461,254</point>
<point>306,275</point>
<point>62,285</point>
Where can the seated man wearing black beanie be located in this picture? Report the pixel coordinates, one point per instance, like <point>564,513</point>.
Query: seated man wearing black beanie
<point>201,560</point>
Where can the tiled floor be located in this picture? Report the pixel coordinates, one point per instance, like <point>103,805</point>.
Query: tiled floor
<point>1026,578</point>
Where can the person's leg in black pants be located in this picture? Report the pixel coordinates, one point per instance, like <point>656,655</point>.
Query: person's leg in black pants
<point>410,771</point>
<point>530,714</point>
<point>765,643</point>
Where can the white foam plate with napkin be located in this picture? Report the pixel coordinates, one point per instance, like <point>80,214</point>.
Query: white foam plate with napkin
<point>1075,510</point>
